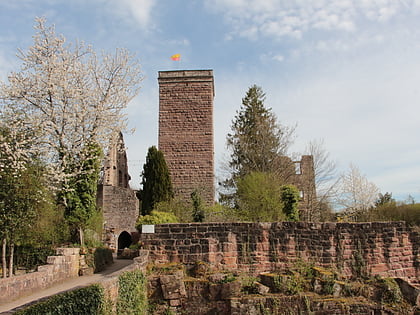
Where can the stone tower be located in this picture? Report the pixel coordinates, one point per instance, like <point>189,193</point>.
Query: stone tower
<point>186,130</point>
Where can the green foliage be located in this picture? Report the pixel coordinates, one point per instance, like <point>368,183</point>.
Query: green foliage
<point>132,293</point>
<point>156,217</point>
<point>87,300</point>
<point>220,213</point>
<point>259,197</point>
<point>228,278</point>
<point>256,141</point>
<point>180,208</point>
<point>409,213</point>
<point>31,256</point>
<point>22,195</point>
<point>256,138</point>
<point>384,199</point>
<point>102,257</point>
<point>290,198</point>
<point>198,214</point>
<point>156,181</point>
<point>249,285</point>
<point>390,291</point>
<point>79,193</point>
<point>289,284</point>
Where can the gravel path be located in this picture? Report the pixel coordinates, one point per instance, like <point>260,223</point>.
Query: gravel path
<point>64,286</point>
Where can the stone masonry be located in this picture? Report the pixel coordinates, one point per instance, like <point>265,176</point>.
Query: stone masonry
<point>117,200</point>
<point>388,249</point>
<point>61,267</point>
<point>186,130</point>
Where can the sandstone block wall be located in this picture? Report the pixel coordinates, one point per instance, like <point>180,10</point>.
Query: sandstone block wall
<point>120,208</point>
<point>63,266</point>
<point>379,248</point>
<point>186,130</point>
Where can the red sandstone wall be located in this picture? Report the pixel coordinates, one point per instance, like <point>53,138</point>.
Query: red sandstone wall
<point>120,208</point>
<point>59,268</point>
<point>186,130</point>
<point>378,248</point>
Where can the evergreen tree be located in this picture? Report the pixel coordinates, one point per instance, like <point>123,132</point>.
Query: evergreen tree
<point>198,214</point>
<point>156,181</point>
<point>257,141</point>
<point>290,197</point>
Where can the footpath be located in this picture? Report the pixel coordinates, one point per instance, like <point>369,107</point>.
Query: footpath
<point>72,283</point>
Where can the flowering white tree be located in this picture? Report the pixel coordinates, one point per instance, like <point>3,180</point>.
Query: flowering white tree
<point>357,194</point>
<point>73,97</point>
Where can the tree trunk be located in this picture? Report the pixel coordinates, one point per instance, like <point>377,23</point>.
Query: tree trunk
<point>12,249</point>
<point>81,237</point>
<point>3,257</point>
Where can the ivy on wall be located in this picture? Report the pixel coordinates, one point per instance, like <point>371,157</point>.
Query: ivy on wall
<point>86,300</point>
<point>132,299</point>
<point>132,293</point>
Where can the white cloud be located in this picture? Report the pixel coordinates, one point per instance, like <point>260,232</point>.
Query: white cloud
<point>277,19</point>
<point>138,11</point>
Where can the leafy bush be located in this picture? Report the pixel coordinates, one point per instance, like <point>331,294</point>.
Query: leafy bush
<point>259,197</point>
<point>132,293</point>
<point>289,284</point>
<point>409,213</point>
<point>30,256</point>
<point>390,291</point>
<point>156,217</point>
<point>87,300</point>
<point>102,257</point>
<point>182,209</point>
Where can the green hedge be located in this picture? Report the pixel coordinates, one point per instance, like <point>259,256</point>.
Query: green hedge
<point>132,299</point>
<point>84,301</point>
<point>132,293</point>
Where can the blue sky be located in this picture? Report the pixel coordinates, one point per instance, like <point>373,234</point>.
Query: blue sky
<point>345,71</point>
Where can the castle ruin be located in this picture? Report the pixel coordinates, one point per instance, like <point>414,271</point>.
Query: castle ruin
<point>118,202</point>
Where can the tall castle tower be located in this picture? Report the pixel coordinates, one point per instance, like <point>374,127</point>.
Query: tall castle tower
<point>186,130</point>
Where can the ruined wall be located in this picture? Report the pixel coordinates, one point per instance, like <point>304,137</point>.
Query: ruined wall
<point>115,198</point>
<point>304,179</point>
<point>116,164</point>
<point>120,208</point>
<point>378,248</point>
<point>63,266</point>
<point>186,130</point>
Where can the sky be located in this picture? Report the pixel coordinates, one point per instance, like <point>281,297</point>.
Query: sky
<point>345,72</point>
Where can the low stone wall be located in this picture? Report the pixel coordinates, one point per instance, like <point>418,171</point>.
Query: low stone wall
<point>63,266</point>
<point>388,249</point>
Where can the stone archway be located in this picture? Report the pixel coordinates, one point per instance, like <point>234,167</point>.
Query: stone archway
<point>124,240</point>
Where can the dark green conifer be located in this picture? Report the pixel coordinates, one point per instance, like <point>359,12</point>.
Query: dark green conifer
<point>156,181</point>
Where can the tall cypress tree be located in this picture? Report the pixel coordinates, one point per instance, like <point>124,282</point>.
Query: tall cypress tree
<point>156,181</point>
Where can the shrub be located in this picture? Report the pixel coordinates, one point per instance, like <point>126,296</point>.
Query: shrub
<point>29,256</point>
<point>156,217</point>
<point>182,209</point>
<point>87,300</point>
<point>258,198</point>
<point>102,257</point>
<point>390,291</point>
<point>132,294</point>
